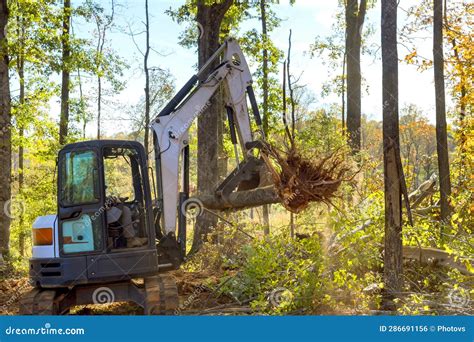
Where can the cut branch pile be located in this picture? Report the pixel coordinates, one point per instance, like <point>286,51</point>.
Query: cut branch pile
<point>299,180</point>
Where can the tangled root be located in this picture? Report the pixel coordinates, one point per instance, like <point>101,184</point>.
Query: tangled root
<point>299,180</point>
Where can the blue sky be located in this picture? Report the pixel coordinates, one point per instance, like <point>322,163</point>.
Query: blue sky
<point>306,18</point>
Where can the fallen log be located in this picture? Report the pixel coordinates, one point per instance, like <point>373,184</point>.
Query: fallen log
<point>423,191</point>
<point>241,199</point>
<point>427,210</point>
<point>427,255</point>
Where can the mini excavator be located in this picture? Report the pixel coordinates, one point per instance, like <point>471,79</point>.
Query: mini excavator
<point>120,225</point>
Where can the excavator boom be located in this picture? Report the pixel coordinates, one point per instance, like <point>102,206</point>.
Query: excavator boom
<point>170,128</point>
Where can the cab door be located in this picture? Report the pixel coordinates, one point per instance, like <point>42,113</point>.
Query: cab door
<point>80,202</point>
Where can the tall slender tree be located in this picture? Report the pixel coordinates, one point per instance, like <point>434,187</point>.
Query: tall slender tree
<point>66,53</point>
<point>147,76</point>
<point>441,129</point>
<point>263,19</point>
<point>103,25</point>
<point>355,16</point>
<point>20,65</point>
<point>391,154</point>
<point>5,134</point>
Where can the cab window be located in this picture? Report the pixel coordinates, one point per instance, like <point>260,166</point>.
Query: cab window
<point>79,178</point>
<point>118,173</point>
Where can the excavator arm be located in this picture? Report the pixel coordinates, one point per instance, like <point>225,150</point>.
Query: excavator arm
<point>171,126</point>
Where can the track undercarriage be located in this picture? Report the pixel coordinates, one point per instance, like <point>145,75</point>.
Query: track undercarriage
<point>157,295</point>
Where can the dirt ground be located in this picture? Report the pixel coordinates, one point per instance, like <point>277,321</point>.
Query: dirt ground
<point>194,296</point>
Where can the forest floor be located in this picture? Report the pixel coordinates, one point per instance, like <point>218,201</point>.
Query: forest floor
<point>195,298</point>
<point>198,295</point>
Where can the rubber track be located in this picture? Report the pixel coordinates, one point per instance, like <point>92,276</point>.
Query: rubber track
<point>38,302</point>
<point>161,295</point>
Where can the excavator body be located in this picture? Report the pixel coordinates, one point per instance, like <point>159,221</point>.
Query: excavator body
<point>116,233</point>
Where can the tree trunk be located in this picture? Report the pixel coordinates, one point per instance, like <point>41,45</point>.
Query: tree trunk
<point>263,14</point>
<point>81,99</point>
<point>463,93</point>
<point>5,134</point>
<point>147,77</point>
<point>391,142</point>
<point>64,117</point>
<point>21,182</point>
<point>99,101</point>
<point>21,130</point>
<point>441,131</point>
<point>266,219</point>
<point>343,93</point>
<point>355,16</point>
<point>209,17</point>
<point>101,31</point>
<point>292,225</point>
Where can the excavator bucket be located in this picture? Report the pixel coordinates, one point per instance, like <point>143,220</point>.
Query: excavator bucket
<point>250,174</point>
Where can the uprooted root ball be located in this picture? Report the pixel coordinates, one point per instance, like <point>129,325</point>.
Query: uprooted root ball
<point>300,181</point>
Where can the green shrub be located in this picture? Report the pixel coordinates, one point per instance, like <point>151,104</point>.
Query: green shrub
<point>279,275</point>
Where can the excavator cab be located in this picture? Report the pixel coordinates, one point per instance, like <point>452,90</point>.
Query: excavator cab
<point>104,229</point>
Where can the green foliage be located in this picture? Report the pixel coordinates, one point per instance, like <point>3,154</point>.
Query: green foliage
<point>33,34</point>
<point>186,14</point>
<point>35,46</point>
<point>38,195</point>
<point>312,135</point>
<point>279,275</point>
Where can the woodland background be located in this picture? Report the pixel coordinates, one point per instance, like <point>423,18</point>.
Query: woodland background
<point>364,253</point>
